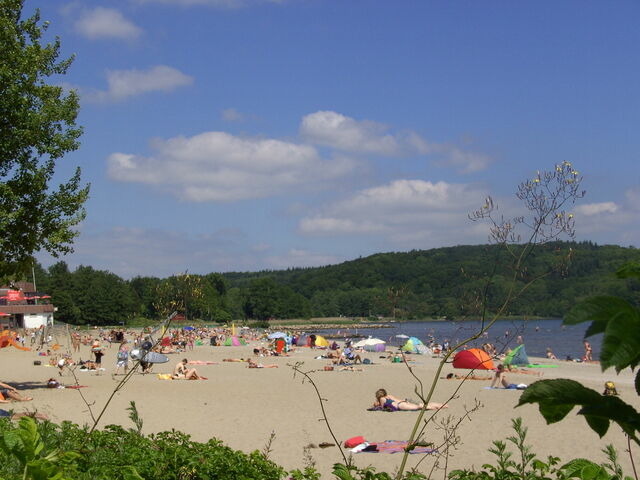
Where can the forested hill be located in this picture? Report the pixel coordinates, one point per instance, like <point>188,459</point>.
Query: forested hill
<point>443,282</point>
<point>447,281</point>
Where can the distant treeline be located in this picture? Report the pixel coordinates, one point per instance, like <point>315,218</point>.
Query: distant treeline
<point>452,282</point>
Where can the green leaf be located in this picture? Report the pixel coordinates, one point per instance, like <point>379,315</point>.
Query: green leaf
<point>556,398</point>
<point>598,310</point>
<point>629,270</point>
<point>637,382</point>
<point>621,340</point>
<point>575,466</point>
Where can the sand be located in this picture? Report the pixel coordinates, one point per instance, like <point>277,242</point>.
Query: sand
<point>243,407</point>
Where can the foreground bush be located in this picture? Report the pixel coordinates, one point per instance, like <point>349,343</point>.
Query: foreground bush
<point>34,450</point>
<point>46,451</point>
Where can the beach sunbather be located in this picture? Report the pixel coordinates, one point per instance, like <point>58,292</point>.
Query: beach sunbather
<point>8,393</point>
<point>500,380</point>
<point>385,400</point>
<point>452,376</point>
<point>253,364</point>
<point>182,372</point>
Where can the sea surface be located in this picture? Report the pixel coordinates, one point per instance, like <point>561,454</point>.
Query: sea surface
<point>536,335</point>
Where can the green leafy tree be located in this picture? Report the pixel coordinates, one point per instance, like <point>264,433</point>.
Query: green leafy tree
<point>180,293</point>
<point>37,128</point>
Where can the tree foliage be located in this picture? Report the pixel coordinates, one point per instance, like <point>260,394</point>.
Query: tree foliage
<point>37,128</point>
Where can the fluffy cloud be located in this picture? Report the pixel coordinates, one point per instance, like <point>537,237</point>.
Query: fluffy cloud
<point>344,133</point>
<point>597,208</point>
<point>106,23</point>
<point>407,213</point>
<point>127,83</point>
<point>219,167</point>
<point>232,115</point>
<point>338,131</point>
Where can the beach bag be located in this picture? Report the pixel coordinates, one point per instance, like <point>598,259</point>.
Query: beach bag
<point>610,389</point>
<point>354,442</point>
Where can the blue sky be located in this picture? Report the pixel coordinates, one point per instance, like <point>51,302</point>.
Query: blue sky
<point>245,135</point>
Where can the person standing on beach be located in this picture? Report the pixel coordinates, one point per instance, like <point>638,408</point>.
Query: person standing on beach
<point>588,352</point>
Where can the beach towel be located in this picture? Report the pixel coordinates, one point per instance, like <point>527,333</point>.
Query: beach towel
<point>396,446</point>
<point>386,409</point>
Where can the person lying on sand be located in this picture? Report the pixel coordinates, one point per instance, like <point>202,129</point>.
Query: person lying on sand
<point>253,364</point>
<point>500,380</point>
<point>239,360</point>
<point>385,400</point>
<point>351,369</point>
<point>513,369</point>
<point>9,393</point>
<point>455,376</point>
<point>181,372</point>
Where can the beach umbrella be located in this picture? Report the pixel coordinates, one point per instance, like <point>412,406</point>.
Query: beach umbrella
<point>368,341</point>
<point>274,335</point>
<point>402,335</point>
<point>188,328</point>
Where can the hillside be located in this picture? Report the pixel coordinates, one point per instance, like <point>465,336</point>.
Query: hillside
<point>447,281</point>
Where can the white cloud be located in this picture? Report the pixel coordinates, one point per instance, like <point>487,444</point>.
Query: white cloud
<point>465,162</point>
<point>405,213</point>
<point>219,167</point>
<point>106,23</point>
<point>127,83</point>
<point>632,197</point>
<point>232,115</point>
<point>596,208</point>
<point>338,131</point>
<point>344,133</point>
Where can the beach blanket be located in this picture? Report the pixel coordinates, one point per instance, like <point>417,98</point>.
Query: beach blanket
<point>397,446</point>
<point>386,409</point>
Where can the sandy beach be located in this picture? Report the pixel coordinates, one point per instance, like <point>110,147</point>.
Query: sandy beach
<point>243,406</point>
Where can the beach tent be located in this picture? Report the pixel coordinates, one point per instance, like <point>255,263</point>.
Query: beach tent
<point>415,345</point>
<point>302,340</point>
<point>474,358</point>
<point>517,356</point>
<point>321,341</point>
<point>234,341</point>
<point>371,345</point>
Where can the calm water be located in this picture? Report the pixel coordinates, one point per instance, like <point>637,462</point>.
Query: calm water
<point>536,335</point>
